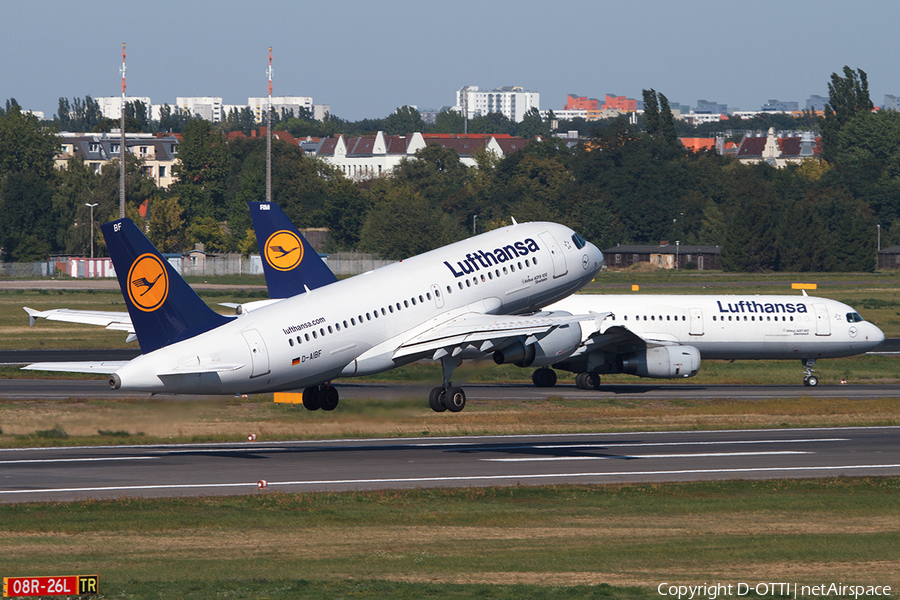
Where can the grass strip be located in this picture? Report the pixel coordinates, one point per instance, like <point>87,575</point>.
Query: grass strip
<point>616,541</point>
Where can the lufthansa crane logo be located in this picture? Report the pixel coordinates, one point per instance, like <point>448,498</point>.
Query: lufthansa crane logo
<point>284,251</point>
<point>148,282</point>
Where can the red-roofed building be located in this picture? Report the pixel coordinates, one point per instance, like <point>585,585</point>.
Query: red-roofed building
<point>779,150</point>
<point>367,157</point>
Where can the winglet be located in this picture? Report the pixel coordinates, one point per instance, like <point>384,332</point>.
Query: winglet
<point>163,307</point>
<point>289,261</point>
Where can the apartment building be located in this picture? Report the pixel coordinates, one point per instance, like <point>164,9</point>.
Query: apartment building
<point>157,153</point>
<point>511,101</point>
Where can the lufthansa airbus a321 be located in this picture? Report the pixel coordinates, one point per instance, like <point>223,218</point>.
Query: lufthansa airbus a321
<point>665,336</point>
<point>474,295</point>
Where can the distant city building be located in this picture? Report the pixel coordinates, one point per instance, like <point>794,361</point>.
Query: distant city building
<point>205,107</point>
<point>292,104</point>
<point>511,101</point>
<point>779,106</point>
<point>157,153</point>
<point>111,106</point>
<point>891,102</point>
<point>705,107</point>
<point>581,103</point>
<point>816,103</point>
<point>620,103</point>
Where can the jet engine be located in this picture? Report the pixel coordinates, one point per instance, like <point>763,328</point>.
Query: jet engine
<point>558,345</point>
<point>662,362</point>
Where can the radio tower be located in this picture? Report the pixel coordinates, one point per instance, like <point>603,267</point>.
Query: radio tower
<point>122,146</point>
<point>269,134</point>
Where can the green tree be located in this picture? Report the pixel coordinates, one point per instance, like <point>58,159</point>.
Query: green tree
<point>167,230</point>
<point>202,170</point>
<point>847,96</point>
<point>532,125</point>
<point>651,112</point>
<point>402,223</point>
<point>449,121</point>
<point>404,120</point>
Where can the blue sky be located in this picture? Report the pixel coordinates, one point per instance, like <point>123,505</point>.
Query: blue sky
<point>367,57</point>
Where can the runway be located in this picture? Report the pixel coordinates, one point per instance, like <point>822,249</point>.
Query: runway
<point>61,389</point>
<point>61,474</point>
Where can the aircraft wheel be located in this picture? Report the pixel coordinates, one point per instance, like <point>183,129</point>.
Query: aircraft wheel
<point>591,381</point>
<point>328,398</point>
<point>436,399</point>
<point>311,398</point>
<point>544,377</point>
<point>811,381</point>
<point>455,399</point>
<point>579,381</point>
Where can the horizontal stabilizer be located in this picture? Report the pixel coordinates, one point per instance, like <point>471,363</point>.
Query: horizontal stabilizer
<point>119,321</point>
<point>197,366</point>
<point>104,368</point>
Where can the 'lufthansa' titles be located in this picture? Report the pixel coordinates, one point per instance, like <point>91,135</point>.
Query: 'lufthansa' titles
<point>475,261</point>
<point>758,307</point>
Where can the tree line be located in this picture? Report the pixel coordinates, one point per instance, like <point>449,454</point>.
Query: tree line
<point>624,183</point>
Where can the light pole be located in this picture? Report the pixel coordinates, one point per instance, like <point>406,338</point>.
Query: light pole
<point>474,217</point>
<point>92,226</point>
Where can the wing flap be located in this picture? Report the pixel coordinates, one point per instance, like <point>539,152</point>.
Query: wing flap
<point>485,331</point>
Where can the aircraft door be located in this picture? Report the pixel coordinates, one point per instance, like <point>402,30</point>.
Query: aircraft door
<point>559,259</point>
<point>696,325</point>
<point>438,296</point>
<point>259,357</point>
<point>823,324</point>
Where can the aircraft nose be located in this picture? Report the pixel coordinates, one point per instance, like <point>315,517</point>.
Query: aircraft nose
<point>876,336</point>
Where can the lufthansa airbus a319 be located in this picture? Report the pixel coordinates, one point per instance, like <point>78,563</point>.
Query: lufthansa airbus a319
<point>475,295</point>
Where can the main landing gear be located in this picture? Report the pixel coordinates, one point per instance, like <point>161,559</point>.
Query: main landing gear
<point>448,396</point>
<point>809,380</point>
<point>587,381</point>
<point>544,377</point>
<point>323,396</point>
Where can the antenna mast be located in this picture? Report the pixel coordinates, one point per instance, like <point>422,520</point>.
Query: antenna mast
<point>122,146</point>
<point>269,133</point>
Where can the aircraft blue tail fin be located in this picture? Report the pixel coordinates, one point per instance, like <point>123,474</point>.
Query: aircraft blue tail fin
<point>163,307</point>
<point>289,262</point>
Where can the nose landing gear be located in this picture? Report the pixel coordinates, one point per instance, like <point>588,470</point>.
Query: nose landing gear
<point>809,380</point>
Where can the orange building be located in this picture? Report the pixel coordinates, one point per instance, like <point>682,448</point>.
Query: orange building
<point>581,103</point>
<point>620,103</point>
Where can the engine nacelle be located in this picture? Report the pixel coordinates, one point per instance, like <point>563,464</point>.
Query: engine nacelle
<point>662,362</point>
<point>558,345</point>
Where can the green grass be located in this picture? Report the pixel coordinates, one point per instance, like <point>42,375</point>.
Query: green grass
<point>528,542</point>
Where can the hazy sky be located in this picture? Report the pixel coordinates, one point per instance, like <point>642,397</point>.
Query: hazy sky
<point>367,57</point>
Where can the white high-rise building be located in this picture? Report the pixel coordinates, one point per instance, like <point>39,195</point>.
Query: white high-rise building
<point>510,101</point>
<point>205,107</point>
<point>290,103</point>
<point>111,106</point>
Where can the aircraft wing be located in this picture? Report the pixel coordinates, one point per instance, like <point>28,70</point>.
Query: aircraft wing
<point>619,339</point>
<point>118,321</point>
<point>487,332</point>
<point>104,367</point>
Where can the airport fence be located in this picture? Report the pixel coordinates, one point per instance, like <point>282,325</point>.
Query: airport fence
<point>341,263</point>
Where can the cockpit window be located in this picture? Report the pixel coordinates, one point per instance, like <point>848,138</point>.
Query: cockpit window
<point>579,241</point>
<point>853,317</point>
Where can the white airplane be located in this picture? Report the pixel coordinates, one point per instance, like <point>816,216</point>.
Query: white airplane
<point>665,336</point>
<point>472,295</point>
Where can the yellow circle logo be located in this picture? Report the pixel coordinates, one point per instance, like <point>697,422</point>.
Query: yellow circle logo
<point>148,282</point>
<point>284,251</point>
